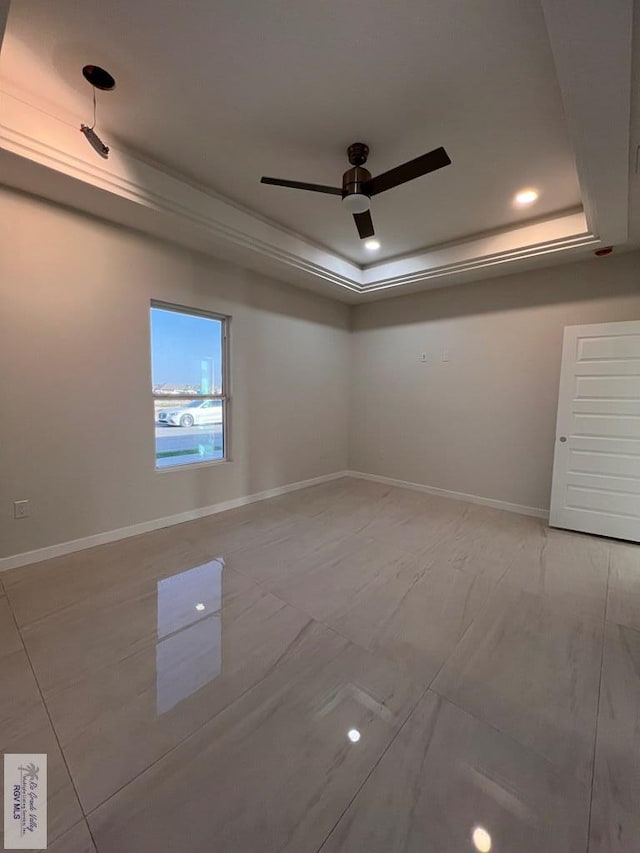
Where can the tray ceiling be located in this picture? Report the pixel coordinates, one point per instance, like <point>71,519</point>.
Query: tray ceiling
<point>219,93</point>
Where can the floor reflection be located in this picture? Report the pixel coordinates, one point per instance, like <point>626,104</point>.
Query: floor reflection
<point>189,647</point>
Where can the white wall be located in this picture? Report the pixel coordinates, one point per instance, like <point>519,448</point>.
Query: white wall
<point>76,433</point>
<point>482,423</point>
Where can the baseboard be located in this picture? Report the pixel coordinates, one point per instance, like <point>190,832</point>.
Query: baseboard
<point>537,512</point>
<point>63,548</point>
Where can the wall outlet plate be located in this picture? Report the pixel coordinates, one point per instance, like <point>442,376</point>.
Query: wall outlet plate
<point>21,509</point>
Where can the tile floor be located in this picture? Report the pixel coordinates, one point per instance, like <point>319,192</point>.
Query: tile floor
<point>351,668</point>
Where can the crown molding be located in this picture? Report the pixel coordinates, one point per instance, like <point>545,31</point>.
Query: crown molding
<point>38,136</point>
<point>569,231</point>
<point>42,151</point>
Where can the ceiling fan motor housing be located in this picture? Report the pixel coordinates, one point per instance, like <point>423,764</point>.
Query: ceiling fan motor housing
<point>353,181</point>
<point>354,195</point>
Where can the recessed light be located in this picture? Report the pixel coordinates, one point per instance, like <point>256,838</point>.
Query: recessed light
<point>372,245</point>
<point>525,197</point>
<point>199,606</point>
<point>353,735</point>
<point>481,839</point>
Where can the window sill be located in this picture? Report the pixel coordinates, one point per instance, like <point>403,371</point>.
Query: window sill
<point>190,466</point>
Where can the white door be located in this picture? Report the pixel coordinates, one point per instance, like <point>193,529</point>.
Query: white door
<point>596,469</point>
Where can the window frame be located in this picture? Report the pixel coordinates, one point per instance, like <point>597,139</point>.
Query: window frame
<point>225,378</point>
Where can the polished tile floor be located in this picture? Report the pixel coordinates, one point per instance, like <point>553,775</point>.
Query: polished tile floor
<point>351,667</point>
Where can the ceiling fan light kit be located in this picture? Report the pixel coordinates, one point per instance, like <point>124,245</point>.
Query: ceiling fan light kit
<point>358,186</point>
<point>356,203</point>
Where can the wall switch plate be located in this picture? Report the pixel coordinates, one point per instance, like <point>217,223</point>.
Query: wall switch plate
<point>445,355</point>
<point>423,356</point>
<point>21,509</point>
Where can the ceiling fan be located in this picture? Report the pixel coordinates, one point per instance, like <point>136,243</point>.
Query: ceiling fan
<point>358,186</point>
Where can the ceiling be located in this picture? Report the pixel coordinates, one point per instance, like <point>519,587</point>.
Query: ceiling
<point>223,92</point>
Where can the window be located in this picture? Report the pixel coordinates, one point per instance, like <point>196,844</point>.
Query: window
<point>189,385</point>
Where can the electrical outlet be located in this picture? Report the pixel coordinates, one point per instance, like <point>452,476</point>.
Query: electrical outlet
<point>21,509</point>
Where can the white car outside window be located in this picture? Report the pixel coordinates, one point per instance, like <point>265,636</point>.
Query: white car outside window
<point>196,413</point>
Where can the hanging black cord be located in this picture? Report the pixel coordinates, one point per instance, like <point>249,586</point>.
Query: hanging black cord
<point>94,108</point>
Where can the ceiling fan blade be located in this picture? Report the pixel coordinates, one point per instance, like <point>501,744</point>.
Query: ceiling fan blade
<point>364,224</point>
<point>435,159</point>
<point>298,185</point>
